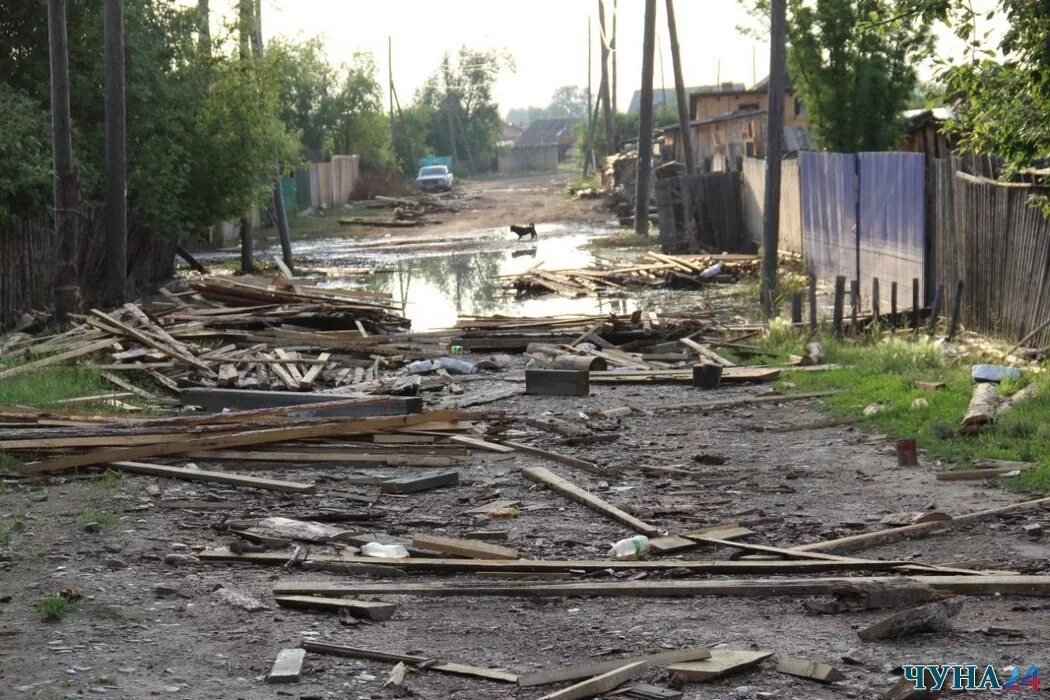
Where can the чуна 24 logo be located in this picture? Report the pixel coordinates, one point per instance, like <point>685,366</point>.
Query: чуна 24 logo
<point>970,677</point>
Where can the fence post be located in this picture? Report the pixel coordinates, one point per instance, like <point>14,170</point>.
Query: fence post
<point>854,304</point>
<point>935,312</point>
<point>840,294</point>
<point>953,324</point>
<point>812,303</point>
<point>875,300</point>
<point>915,311</point>
<point>796,307</point>
<point>893,305</point>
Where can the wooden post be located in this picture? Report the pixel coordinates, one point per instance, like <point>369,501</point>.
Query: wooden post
<point>203,29</point>
<point>67,184</point>
<point>645,123</point>
<point>588,154</point>
<point>915,308</point>
<point>935,310</point>
<point>812,303</point>
<point>854,305</point>
<point>245,25</point>
<point>679,89</point>
<point>875,300</point>
<point>116,215</point>
<point>840,294</point>
<point>603,87</point>
<point>613,58</point>
<point>774,150</point>
<point>796,307</point>
<point>953,323</point>
<point>893,305</point>
<point>247,245</point>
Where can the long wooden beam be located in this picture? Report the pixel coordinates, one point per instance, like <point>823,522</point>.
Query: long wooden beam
<point>567,488</point>
<point>491,674</point>
<point>217,477</point>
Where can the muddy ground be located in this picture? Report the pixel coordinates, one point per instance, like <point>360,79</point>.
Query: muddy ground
<point>147,628</point>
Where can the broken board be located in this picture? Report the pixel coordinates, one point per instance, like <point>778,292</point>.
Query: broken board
<point>722,663</point>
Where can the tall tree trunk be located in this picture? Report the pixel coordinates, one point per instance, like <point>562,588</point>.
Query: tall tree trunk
<point>588,154</point>
<point>612,55</point>
<point>247,245</point>
<point>116,157</point>
<point>679,89</point>
<point>245,30</point>
<point>67,185</point>
<point>203,29</point>
<point>774,148</point>
<point>610,122</point>
<point>645,123</point>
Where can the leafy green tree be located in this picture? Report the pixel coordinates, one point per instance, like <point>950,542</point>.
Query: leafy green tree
<point>25,155</point>
<point>359,124</point>
<point>306,90</point>
<point>411,128</point>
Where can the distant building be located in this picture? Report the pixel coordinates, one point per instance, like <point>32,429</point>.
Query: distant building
<point>926,133</point>
<point>667,97</point>
<point>545,132</point>
<point>510,132</point>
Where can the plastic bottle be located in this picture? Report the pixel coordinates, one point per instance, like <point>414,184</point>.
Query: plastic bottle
<point>455,365</point>
<point>630,548</point>
<point>384,551</point>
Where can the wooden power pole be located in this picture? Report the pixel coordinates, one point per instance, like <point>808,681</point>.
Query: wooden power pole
<point>116,155</point>
<point>390,91</point>
<point>67,186</point>
<point>607,113</point>
<point>774,150</point>
<point>612,55</point>
<point>645,123</point>
<point>679,89</point>
<point>245,22</point>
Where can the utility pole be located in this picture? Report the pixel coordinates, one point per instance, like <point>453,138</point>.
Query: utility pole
<point>679,89</point>
<point>607,111</point>
<point>116,213</point>
<point>67,185</point>
<point>612,54</point>
<point>245,22</point>
<point>774,149</point>
<point>390,90</point>
<point>645,124</point>
<point>204,29</point>
<point>589,154</point>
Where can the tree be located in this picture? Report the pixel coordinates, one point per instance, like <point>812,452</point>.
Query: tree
<point>852,62</point>
<point>359,123</point>
<point>568,102</point>
<point>25,155</point>
<point>307,86</point>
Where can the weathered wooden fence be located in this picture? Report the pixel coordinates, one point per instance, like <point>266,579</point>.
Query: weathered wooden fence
<point>702,212</point>
<point>993,238</point>
<point>29,255</point>
<point>519,159</point>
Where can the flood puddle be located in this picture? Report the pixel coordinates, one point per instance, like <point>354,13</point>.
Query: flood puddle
<point>435,281</point>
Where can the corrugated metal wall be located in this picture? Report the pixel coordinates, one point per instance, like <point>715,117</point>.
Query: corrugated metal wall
<point>827,186</point>
<point>754,193</point>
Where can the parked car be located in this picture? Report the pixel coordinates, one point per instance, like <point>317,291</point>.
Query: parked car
<point>434,177</point>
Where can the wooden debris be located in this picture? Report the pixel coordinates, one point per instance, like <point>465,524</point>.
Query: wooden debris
<point>930,386</point>
<point>646,691</point>
<point>491,674</point>
<point>568,460</point>
<point>575,673</point>
<point>420,482</point>
<point>287,667</point>
<point>464,548</point>
<point>397,677</point>
<point>600,684</point>
<point>217,477</point>
<point>814,670</point>
<point>1033,530</point>
<point>358,608</point>
<point>932,617</point>
<point>215,400</point>
<point>696,538</point>
<point>723,662</point>
<point>557,382</point>
<point>567,488</point>
<point>983,404</point>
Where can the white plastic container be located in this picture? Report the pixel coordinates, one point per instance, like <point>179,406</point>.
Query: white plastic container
<point>630,548</point>
<point>384,551</point>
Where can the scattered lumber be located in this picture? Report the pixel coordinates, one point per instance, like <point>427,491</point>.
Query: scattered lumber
<point>736,402</point>
<point>215,400</point>
<point>567,488</point>
<point>217,477</point>
<point>738,375</point>
<point>471,549</point>
<point>557,382</point>
<point>932,617</point>
<point>814,670</point>
<point>491,674</point>
<point>420,482</point>
<point>600,684</point>
<point>358,608</point>
<point>287,667</point>
<point>723,662</point>
<point>575,673</point>
<point>696,538</point>
<point>986,472</point>
<point>565,459</point>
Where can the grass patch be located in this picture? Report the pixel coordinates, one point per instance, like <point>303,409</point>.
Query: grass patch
<point>624,239</point>
<point>9,530</point>
<point>55,607</point>
<point>884,371</point>
<point>43,387</point>
<point>104,518</point>
<point>9,463</point>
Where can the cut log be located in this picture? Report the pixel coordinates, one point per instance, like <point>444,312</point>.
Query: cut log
<point>983,404</point>
<point>599,684</point>
<point>723,662</point>
<point>567,488</point>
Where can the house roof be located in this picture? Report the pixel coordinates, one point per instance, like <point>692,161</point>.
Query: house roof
<point>662,96</point>
<point>732,116</point>
<point>546,131</point>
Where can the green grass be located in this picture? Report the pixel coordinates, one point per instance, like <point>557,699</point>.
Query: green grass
<point>624,239</point>
<point>55,607</point>
<point>10,529</point>
<point>42,388</point>
<point>103,517</point>
<point>884,371</point>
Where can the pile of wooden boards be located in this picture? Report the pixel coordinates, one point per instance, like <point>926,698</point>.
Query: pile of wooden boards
<point>684,271</point>
<point>407,211</point>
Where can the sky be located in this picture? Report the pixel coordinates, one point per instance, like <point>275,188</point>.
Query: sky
<point>547,39</point>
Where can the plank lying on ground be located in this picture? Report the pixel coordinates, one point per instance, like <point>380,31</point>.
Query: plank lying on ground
<point>217,477</point>
<point>357,459</point>
<point>690,540</point>
<point>437,566</point>
<point>480,444</point>
<point>1019,585</point>
<point>464,548</point>
<point>565,459</point>
<point>287,667</point>
<point>814,670</point>
<point>730,375</point>
<point>370,610</point>
<point>492,674</point>
<point>420,482</point>
<point>252,437</point>
<point>744,401</point>
<point>599,684</point>
<point>982,473</point>
<point>896,534</point>
<point>722,663</point>
<point>57,359</point>
<point>567,488</point>
<point>215,400</point>
<point>575,673</point>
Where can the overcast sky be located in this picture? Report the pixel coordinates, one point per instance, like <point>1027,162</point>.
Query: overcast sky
<point>547,38</point>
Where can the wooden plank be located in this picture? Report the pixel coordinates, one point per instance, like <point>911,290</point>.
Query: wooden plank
<point>464,548</point>
<point>568,460</point>
<point>57,359</point>
<point>984,473</point>
<point>729,375</point>
<point>577,672</point>
<point>567,488</point>
<point>736,402</point>
<point>599,684</point>
<point>814,670</point>
<point>311,374</point>
<point>287,667</point>
<point>1016,585</point>
<point>480,444</point>
<point>491,674</point>
<point>557,382</point>
<point>367,609</point>
<point>107,323</point>
<point>252,437</point>
<point>693,539</point>
<point>723,662</point>
<point>215,400</point>
<point>357,459</point>
<point>217,477</point>
<point>420,482</point>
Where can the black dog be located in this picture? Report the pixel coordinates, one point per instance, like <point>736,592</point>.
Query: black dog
<point>523,231</point>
